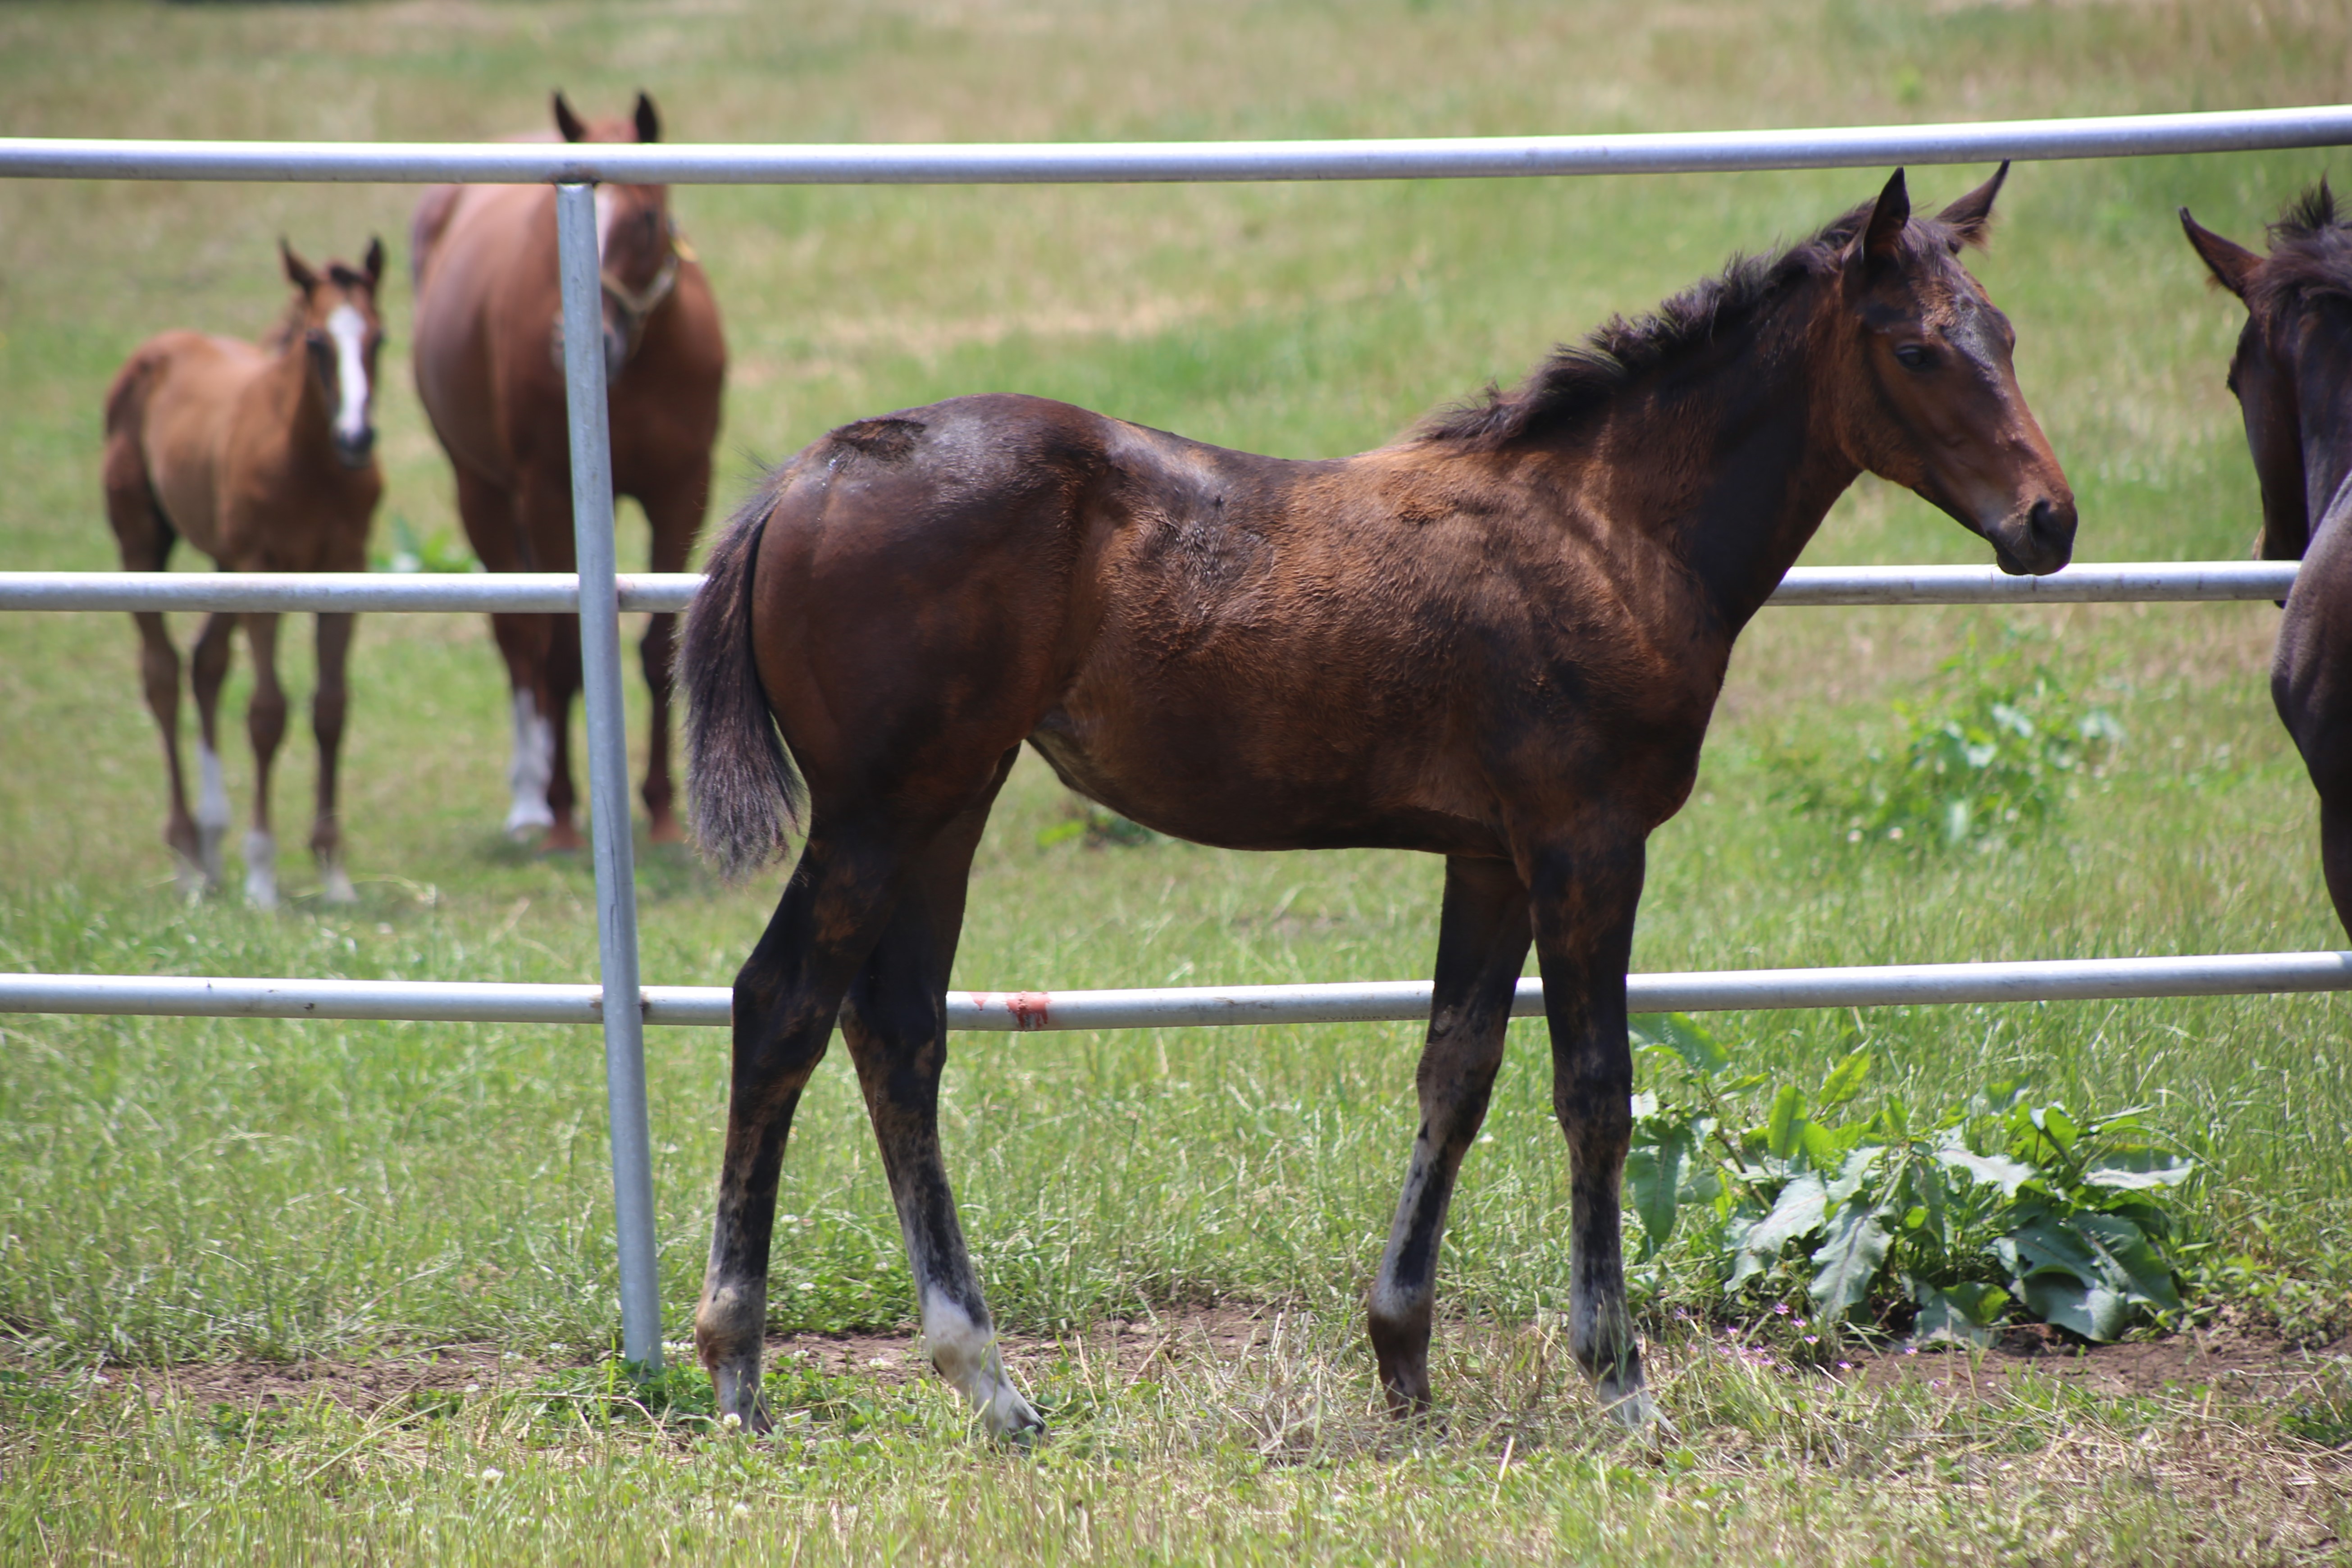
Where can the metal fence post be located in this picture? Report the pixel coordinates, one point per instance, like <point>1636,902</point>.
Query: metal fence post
<point>608,773</point>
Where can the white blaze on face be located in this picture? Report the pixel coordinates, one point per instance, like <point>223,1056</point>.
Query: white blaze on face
<point>608,208</point>
<point>348,328</point>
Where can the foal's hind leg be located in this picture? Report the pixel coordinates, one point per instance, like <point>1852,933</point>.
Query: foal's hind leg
<point>1482,942</point>
<point>146,540</point>
<point>787,995</point>
<point>895,1023</point>
<point>1582,895</point>
<point>209,662</point>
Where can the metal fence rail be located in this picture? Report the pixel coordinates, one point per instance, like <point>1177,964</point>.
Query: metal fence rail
<point>600,594</point>
<point>1096,162</point>
<point>1195,1006</point>
<point>2096,583</point>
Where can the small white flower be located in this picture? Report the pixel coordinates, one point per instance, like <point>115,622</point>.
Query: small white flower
<point>729,1422</point>
<point>494,1475</point>
<point>741,1511</point>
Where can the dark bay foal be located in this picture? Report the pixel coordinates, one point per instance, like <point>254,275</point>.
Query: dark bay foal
<point>1499,641</point>
<point>2293,376</point>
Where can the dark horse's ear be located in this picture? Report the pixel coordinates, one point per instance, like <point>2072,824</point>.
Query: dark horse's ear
<point>1970,217</point>
<point>1882,236</point>
<point>648,120</point>
<point>373,260</point>
<point>298,271</point>
<point>2232,264</point>
<point>567,121</point>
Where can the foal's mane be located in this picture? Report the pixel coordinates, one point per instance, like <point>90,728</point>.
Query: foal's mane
<point>2311,253</point>
<point>1578,380</point>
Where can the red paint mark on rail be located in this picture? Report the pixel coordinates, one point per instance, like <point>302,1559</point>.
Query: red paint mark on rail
<point>1027,1009</point>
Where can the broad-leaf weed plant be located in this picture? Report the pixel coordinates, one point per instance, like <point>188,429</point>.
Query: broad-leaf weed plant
<point>1999,752</point>
<point>1942,1225</point>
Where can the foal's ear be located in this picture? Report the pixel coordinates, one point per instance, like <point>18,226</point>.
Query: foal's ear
<point>1882,236</point>
<point>374,262</point>
<point>298,271</point>
<point>567,121</point>
<point>1970,217</point>
<point>648,120</point>
<point>2232,264</point>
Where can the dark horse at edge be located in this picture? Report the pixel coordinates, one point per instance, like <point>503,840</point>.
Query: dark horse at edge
<point>1498,640</point>
<point>2293,376</point>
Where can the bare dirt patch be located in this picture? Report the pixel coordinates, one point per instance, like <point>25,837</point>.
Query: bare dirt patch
<point>2229,1363</point>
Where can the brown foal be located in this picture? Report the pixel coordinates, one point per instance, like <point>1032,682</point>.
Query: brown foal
<point>1498,640</point>
<point>263,457</point>
<point>489,371</point>
<point>2292,376</point>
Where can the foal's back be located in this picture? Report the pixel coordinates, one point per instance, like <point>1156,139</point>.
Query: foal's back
<point>180,409</point>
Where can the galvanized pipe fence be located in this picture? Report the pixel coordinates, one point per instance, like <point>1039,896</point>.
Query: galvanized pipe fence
<point>598,594</point>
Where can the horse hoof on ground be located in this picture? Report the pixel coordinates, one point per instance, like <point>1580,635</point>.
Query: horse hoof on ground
<point>335,886</point>
<point>666,830</point>
<point>562,838</point>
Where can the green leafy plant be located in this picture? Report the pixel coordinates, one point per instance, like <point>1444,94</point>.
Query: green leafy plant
<point>2003,1206</point>
<point>1998,755</point>
<point>1096,829</point>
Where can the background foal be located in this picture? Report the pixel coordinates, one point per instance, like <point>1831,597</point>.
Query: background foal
<point>263,457</point>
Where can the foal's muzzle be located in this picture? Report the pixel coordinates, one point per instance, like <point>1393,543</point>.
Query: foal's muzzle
<point>2037,543</point>
<point>353,451</point>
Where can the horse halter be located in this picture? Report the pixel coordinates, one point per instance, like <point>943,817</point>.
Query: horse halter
<point>632,308</point>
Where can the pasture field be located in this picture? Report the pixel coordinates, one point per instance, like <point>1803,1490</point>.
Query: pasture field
<point>1175,1227</point>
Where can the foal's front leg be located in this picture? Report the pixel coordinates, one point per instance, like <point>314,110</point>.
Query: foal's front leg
<point>328,706</point>
<point>1582,897</point>
<point>264,724</point>
<point>1482,942</point>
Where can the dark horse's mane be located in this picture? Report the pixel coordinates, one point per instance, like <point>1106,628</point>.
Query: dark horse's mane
<point>2311,253</point>
<point>1578,380</point>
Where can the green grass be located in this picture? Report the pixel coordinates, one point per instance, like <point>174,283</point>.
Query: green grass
<point>177,1190</point>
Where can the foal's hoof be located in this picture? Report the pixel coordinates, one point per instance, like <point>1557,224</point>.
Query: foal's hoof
<point>335,887</point>
<point>666,830</point>
<point>562,838</point>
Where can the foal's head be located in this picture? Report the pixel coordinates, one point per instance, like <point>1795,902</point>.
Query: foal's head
<point>2298,303</point>
<point>335,319</point>
<point>637,244</point>
<point>1930,399</point>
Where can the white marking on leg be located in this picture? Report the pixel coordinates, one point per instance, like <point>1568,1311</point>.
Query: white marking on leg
<point>967,1356</point>
<point>532,769</point>
<point>335,883</point>
<point>348,329</point>
<point>260,869</point>
<point>212,814</point>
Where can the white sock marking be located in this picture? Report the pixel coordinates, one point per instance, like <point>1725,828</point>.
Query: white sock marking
<point>212,793</point>
<point>967,1356</point>
<point>533,768</point>
<point>260,869</point>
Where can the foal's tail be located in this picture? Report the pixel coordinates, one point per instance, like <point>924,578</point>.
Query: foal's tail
<point>746,794</point>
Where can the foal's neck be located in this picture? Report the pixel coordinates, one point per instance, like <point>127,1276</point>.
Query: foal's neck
<point>1737,455</point>
<point>2323,375</point>
<point>300,405</point>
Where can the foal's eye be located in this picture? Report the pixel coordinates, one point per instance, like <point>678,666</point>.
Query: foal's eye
<point>1911,356</point>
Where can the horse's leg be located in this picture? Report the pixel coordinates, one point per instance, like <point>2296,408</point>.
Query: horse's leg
<point>787,995</point>
<point>895,1023</point>
<point>326,709</point>
<point>264,725</point>
<point>1482,942</point>
<point>488,512</point>
<point>209,662</point>
<point>1582,895</point>
<point>673,513</point>
<point>145,538</point>
<point>562,684</point>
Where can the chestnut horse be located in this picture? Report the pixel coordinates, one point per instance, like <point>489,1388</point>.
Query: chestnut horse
<point>489,371</point>
<point>1498,640</point>
<point>2293,376</point>
<point>263,457</point>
